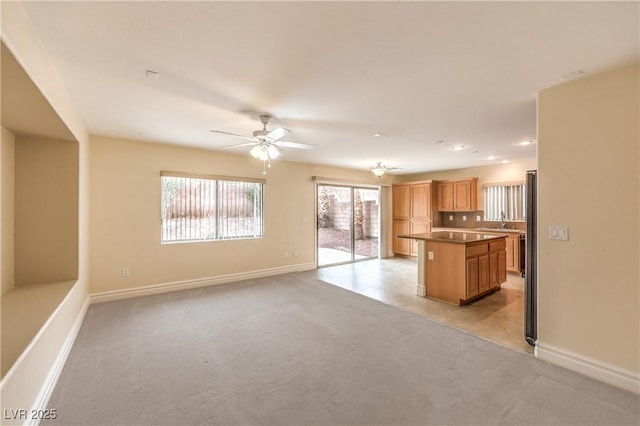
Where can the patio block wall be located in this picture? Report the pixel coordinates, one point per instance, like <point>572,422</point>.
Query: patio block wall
<point>340,212</point>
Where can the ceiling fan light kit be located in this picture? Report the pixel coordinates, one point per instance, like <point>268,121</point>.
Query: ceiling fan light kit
<point>379,170</point>
<point>266,142</point>
<point>265,152</point>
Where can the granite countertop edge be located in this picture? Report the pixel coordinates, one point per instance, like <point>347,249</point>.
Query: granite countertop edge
<point>478,230</point>
<point>455,237</point>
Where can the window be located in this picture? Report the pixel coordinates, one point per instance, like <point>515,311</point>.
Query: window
<point>504,199</point>
<point>204,208</point>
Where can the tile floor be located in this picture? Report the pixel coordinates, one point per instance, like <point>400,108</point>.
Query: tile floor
<point>497,317</point>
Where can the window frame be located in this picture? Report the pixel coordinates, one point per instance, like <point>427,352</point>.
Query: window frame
<point>219,206</point>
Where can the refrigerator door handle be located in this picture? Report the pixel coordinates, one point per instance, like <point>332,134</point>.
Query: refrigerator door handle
<point>530,282</point>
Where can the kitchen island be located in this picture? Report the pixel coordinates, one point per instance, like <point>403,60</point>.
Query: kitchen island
<point>458,267</point>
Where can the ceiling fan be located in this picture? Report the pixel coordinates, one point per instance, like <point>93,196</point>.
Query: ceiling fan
<point>380,169</point>
<point>266,142</point>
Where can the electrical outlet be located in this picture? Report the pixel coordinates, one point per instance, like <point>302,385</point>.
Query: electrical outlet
<point>478,218</point>
<point>285,254</point>
<point>125,272</point>
<point>430,255</point>
<point>464,218</point>
<point>450,217</point>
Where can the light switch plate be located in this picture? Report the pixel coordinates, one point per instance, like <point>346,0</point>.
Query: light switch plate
<point>560,233</point>
<point>430,255</point>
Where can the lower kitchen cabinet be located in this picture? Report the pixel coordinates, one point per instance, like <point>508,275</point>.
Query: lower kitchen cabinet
<point>513,253</point>
<point>458,267</point>
<point>502,266</point>
<point>418,228</point>
<point>486,268</point>
<point>401,245</point>
<point>472,277</point>
<point>484,271</point>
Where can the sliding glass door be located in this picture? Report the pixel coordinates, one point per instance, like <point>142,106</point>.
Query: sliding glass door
<point>348,224</point>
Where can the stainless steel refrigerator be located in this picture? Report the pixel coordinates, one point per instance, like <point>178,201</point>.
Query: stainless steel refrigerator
<point>530,278</point>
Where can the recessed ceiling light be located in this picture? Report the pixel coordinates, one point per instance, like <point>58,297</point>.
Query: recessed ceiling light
<point>504,161</point>
<point>152,74</point>
<point>491,157</point>
<point>457,148</point>
<point>475,152</point>
<point>529,142</point>
<point>377,135</point>
<point>439,141</point>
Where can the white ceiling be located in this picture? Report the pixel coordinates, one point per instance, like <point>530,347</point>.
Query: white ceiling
<point>334,73</point>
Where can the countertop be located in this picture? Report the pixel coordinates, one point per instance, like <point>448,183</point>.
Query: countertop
<point>479,230</point>
<point>454,236</point>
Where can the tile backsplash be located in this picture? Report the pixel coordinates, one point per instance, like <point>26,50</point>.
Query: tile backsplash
<point>457,220</point>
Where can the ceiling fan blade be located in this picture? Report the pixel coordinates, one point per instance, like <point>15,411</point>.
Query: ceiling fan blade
<point>239,144</point>
<point>234,134</point>
<point>297,145</point>
<point>278,133</point>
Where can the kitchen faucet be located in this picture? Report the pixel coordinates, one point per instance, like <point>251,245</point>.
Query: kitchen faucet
<point>503,221</point>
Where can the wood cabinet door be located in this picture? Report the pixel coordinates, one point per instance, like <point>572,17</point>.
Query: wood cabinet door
<point>418,228</point>
<point>484,270</point>
<point>472,277</point>
<point>510,255</point>
<point>493,269</point>
<point>445,196</point>
<point>401,245</point>
<point>421,202</point>
<point>513,253</point>
<point>402,202</point>
<point>465,195</point>
<point>462,195</point>
<point>502,267</point>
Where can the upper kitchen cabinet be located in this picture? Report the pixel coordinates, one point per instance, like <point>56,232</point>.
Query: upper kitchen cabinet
<point>401,202</point>
<point>459,195</point>
<point>421,202</point>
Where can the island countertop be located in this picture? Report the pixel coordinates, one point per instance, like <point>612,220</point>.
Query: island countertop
<point>453,237</point>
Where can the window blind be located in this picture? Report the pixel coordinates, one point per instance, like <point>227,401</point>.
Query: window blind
<point>200,208</point>
<point>504,199</point>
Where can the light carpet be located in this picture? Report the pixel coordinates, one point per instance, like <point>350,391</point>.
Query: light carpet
<point>292,350</point>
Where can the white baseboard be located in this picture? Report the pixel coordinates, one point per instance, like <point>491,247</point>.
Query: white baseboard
<point>44,395</point>
<point>590,367</point>
<point>108,296</point>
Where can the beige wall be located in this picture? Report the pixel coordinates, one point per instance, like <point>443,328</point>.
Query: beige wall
<point>7,168</point>
<point>125,215</point>
<point>46,210</point>
<point>513,171</point>
<point>589,181</point>
<point>24,385</point>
